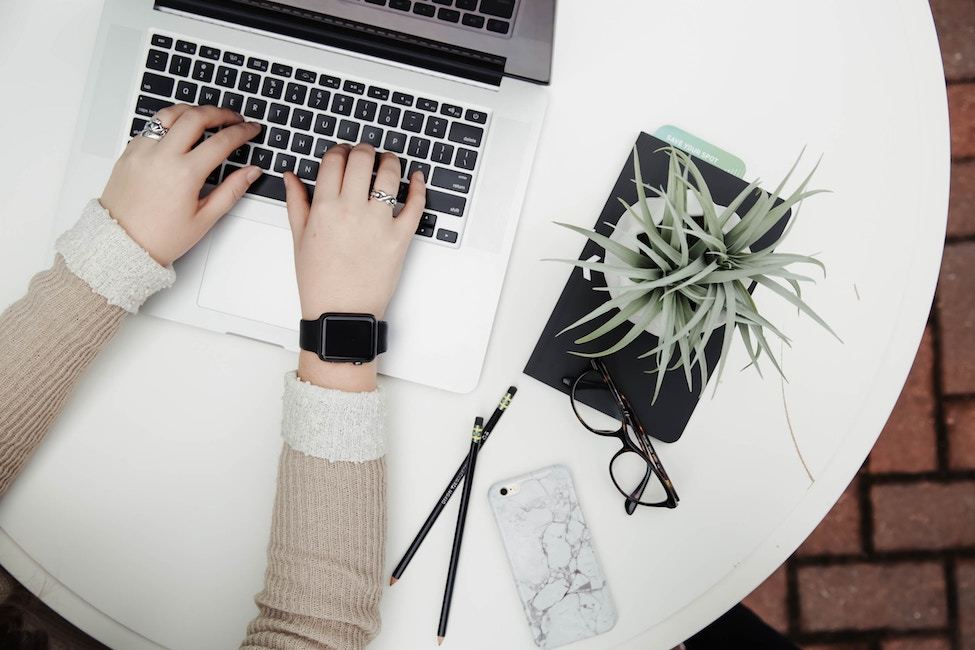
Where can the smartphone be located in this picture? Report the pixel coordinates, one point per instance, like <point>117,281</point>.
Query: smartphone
<point>549,546</point>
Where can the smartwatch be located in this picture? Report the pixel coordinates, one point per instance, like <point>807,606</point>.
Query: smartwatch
<point>343,338</point>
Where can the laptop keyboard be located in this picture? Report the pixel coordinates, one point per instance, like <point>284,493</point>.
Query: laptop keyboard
<point>493,17</point>
<point>304,111</point>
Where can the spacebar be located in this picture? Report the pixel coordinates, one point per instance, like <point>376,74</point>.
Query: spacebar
<point>268,186</point>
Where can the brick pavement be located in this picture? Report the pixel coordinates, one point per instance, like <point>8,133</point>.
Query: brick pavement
<point>892,567</point>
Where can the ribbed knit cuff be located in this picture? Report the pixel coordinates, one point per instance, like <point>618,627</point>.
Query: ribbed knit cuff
<point>333,424</point>
<point>99,251</point>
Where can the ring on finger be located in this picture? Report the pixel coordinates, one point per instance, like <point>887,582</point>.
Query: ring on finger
<point>154,129</point>
<point>383,197</point>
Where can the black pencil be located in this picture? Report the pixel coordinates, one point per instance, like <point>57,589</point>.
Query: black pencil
<point>465,499</point>
<point>449,491</point>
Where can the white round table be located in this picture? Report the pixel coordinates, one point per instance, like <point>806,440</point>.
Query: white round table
<point>144,516</point>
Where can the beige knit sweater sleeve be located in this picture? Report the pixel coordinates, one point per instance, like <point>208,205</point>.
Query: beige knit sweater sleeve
<point>322,583</point>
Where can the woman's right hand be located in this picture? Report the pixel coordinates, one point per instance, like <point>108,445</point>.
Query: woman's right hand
<point>349,249</point>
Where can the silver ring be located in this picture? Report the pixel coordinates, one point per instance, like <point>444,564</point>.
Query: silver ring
<point>154,130</point>
<point>383,197</point>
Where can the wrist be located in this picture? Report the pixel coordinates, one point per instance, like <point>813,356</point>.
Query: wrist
<point>346,377</point>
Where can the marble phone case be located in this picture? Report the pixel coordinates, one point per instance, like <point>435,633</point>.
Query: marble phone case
<point>559,580</point>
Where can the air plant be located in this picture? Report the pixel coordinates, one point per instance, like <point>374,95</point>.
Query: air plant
<point>690,275</point>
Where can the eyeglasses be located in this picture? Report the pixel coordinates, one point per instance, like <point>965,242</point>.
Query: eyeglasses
<point>635,469</point>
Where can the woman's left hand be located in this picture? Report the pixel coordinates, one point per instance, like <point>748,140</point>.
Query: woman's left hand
<point>154,190</point>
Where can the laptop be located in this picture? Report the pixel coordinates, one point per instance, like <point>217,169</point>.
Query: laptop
<point>454,87</point>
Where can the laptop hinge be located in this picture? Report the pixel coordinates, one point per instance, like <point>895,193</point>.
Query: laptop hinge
<point>347,35</point>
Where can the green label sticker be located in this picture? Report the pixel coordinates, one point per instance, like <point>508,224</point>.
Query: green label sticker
<point>701,149</point>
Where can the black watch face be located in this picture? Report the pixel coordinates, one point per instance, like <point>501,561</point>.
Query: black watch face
<point>349,337</point>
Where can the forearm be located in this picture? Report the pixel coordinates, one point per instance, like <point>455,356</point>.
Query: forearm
<point>325,558</point>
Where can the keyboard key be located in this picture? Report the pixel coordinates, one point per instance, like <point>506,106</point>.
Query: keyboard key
<point>423,167</point>
<point>137,125</point>
<point>450,110</point>
<point>348,130</point>
<point>255,108</point>
<point>179,66</point>
<point>203,71</point>
<point>272,88</point>
<point>499,8</point>
<point>451,180</point>
<point>329,81</point>
<point>446,203</point>
<point>466,134</point>
<point>426,105</point>
<point>162,41</point>
<point>149,106</point>
<point>214,176</point>
<point>263,158</point>
<point>233,58</point>
<point>259,138</point>
<point>365,110</point>
<point>473,20</point>
<point>186,92</point>
<point>325,124</point>
<point>436,127</point>
<point>412,121</point>
<point>498,26</point>
<point>209,97</point>
<point>378,93</point>
<point>305,75</point>
<point>240,154</point>
<point>318,99</point>
<point>157,60</point>
<point>279,114</point>
<point>284,163</point>
<point>448,236</point>
<point>376,2</point>
<point>444,2</point>
<point>186,47</point>
<point>157,85</point>
<point>423,9</point>
<point>296,93</point>
<point>467,5</point>
<point>395,142</point>
<point>233,101</point>
<point>402,99</point>
<point>419,147</point>
<point>475,116</point>
<point>402,5</point>
<point>281,70</point>
<point>278,138</point>
<point>257,64</point>
<point>307,169</point>
<point>249,82</point>
<point>372,135</point>
<point>302,119</point>
<point>354,87</point>
<point>210,53</point>
<point>342,104</point>
<point>465,159</point>
<point>388,115</point>
<point>424,231</point>
<point>226,77</point>
<point>268,186</point>
<point>322,145</point>
<point>428,219</point>
<point>449,15</point>
<point>302,143</point>
<point>442,153</point>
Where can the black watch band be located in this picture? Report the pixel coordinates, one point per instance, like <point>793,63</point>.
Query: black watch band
<point>349,338</point>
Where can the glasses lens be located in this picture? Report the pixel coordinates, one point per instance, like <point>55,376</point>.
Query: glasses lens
<point>594,404</point>
<point>634,479</point>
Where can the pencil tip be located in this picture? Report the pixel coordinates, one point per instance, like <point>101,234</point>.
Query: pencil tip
<point>393,580</point>
<point>439,640</point>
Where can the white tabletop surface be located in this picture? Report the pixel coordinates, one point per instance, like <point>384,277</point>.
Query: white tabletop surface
<point>144,516</point>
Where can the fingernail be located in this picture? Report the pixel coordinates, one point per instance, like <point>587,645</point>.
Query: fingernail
<point>238,115</point>
<point>419,172</point>
<point>253,173</point>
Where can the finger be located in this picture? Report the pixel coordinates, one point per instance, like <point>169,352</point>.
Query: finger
<point>226,194</point>
<point>387,176</point>
<point>332,171</point>
<point>188,128</point>
<point>167,117</point>
<point>298,206</point>
<point>416,199</point>
<point>215,149</point>
<point>358,173</point>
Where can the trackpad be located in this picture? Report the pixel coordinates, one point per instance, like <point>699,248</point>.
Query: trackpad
<point>250,273</point>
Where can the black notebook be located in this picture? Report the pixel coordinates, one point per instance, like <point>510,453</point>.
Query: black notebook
<point>551,362</point>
